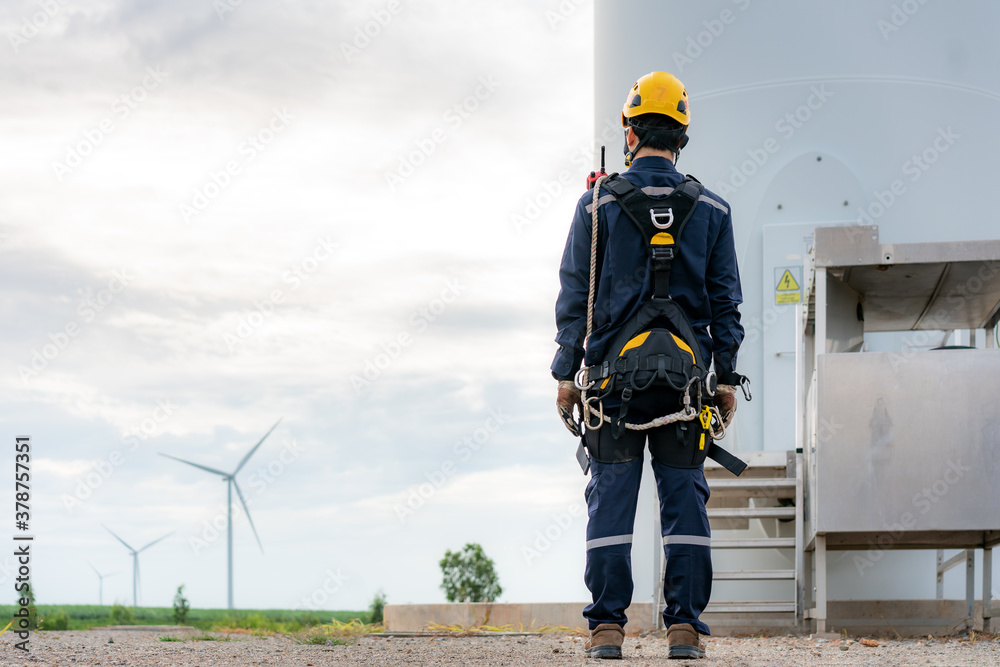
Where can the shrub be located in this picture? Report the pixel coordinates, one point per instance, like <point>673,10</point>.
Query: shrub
<point>56,621</point>
<point>181,606</point>
<point>377,607</point>
<point>469,576</point>
<point>122,615</point>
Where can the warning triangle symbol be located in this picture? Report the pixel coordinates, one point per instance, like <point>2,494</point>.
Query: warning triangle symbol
<point>787,282</point>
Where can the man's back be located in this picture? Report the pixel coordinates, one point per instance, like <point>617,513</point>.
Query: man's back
<point>704,278</point>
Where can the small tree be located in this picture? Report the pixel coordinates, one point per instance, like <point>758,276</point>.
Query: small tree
<point>28,593</point>
<point>469,576</point>
<point>181,606</point>
<point>377,608</point>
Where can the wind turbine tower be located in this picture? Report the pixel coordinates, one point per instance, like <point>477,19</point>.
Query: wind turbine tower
<point>230,479</point>
<point>135,562</point>
<point>100,577</point>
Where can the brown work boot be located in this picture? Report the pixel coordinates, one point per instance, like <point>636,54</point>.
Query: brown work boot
<point>605,642</point>
<point>683,641</point>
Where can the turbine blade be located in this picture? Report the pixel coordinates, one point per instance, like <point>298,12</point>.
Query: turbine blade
<point>250,453</point>
<point>155,541</point>
<point>196,465</point>
<point>247,510</point>
<point>119,539</point>
<point>95,569</point>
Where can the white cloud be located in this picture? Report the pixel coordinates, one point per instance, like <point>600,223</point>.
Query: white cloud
<point>164,337</point>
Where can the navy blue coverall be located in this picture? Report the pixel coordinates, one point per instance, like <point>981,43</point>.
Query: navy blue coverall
<point>705,283</point>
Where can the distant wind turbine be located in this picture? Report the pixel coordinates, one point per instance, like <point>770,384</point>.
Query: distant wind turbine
<point>135,562</point>
<point>100,589</point>
<point>230,479</point>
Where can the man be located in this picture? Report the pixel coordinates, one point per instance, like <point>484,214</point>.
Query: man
<point>703,280</point>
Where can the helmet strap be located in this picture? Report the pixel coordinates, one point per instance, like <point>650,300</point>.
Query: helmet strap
<point>677,137</point>
<point>630,154</point>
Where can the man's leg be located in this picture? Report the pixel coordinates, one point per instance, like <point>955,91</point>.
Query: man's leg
<point>687,582</point>
<point>616,469</point>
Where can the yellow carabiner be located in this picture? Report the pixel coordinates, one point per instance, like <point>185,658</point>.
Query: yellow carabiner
<point>705,417</point>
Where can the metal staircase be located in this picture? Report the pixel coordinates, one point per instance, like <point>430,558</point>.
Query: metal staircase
<point>756,524</point>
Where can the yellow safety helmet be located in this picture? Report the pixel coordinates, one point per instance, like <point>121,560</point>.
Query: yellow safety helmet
<point>657,92</point>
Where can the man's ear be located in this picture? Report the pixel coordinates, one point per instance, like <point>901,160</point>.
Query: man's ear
<point>630,137</point>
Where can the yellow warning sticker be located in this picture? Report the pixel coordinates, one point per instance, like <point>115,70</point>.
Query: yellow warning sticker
<point>787,282</point>
<point>787,297</point>
<point>787,285</point>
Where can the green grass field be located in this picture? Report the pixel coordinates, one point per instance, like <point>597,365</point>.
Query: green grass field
<point>81,617</point>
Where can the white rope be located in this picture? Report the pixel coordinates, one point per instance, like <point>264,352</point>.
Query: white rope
<point>685,415</point>
<point>591,293</point>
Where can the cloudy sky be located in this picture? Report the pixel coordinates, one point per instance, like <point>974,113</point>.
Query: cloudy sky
<point>345,215</point>
<point>349,216</point>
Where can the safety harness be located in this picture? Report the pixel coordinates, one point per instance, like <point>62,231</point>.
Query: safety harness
<point>656,349</point>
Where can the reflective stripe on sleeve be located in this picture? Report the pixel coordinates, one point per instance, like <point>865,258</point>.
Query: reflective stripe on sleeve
<point>608,541</point>
<point>658,192</point>
<point>695,540</point>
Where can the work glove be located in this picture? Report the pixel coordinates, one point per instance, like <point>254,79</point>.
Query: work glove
<point>725,401</point>
<point>568,397</point>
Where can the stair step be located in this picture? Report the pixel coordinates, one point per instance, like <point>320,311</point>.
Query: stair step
<point>754,574</point>
<point>753,482</point>
<point>772,487</point>
<point>750,607</point>
<point>751,513</point>
<point>756,543</point>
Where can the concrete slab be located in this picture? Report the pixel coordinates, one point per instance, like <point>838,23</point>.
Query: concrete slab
<point>884,618</point>
<point>529,616</point>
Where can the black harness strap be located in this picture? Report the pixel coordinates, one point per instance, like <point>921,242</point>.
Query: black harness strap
<point>661,363</point>
<point>726,460</point>
<point>654,216</point>
<point>661,222</point>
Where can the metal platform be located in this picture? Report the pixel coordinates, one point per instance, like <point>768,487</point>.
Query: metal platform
<point>901,449</point>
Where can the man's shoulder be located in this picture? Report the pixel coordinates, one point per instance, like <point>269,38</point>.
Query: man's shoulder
<point>714,200</point>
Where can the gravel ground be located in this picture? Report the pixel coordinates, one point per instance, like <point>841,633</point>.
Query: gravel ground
<point>92,647</point>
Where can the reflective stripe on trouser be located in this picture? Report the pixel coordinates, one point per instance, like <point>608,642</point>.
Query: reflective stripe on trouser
<point>687,581</point>
<point>611,503</point>
<point>611,495</point>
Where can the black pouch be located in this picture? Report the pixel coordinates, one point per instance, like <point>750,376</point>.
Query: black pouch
<point>656,358</point>
<point>680,445</point>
